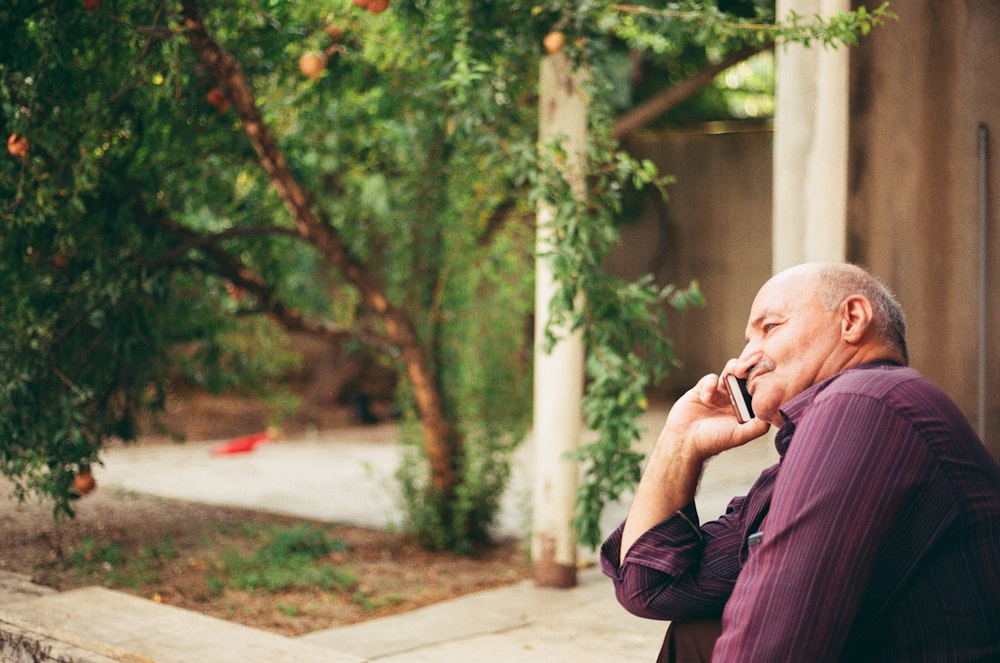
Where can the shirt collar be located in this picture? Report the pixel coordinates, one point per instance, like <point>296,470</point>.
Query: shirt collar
<point>795,408</point>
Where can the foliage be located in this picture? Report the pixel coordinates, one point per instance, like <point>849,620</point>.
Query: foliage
<point>460,524</point>
<point>692,21</point>
<point>487,380</point>
<point>168,196</point>
<point>677,40</point>
<point>140,221</point>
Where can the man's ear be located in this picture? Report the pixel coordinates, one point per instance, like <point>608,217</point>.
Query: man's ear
<point>856,318</point>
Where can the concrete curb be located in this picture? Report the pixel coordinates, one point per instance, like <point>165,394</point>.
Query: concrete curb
<point>24,642</point>
<point>98,625</point>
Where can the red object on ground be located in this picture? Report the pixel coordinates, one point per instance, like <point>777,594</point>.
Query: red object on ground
<point>241,444</point>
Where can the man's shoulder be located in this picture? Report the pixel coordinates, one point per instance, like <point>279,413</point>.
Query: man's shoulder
<point>902,390</point>
<point>876,380</point>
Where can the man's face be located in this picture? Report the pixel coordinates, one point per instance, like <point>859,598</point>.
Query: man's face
<point>792,342</point>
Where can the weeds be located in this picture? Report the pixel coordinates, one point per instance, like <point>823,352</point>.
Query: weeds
<point>289,559</point>
<point>109,561</point>
<point>371,603</point>
<point>287,609</point>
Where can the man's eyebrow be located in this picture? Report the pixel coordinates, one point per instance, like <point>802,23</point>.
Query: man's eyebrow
<point>758,321</point>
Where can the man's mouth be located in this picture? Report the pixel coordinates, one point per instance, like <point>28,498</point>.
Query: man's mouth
<point>765,365</point>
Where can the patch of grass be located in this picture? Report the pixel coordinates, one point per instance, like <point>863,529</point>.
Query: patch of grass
<point>287,609</point>
<point>90,555</point>
<point>371,603</point>
<point>109,561</point>
<point>215,585</point>
<point>303,540</point>
<point>289,558</point>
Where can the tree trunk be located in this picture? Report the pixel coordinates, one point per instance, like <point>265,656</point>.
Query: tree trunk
<point>441,444</point>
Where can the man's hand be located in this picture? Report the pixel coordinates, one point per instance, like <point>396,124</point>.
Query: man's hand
<point>701,424</point>
<point>704,420</point>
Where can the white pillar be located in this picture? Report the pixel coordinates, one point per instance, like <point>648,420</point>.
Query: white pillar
<point>810,146</point>
<point>558,379</point>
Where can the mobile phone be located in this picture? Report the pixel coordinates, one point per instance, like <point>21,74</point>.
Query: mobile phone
<point>740,398</point>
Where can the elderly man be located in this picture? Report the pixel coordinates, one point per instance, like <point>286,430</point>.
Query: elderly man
<point>877,535</point>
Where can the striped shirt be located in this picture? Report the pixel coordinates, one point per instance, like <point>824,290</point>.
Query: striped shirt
<point>875,538</point>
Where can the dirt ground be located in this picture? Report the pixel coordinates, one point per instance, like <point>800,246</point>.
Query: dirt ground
<point>176,552</point>
<point>169,550</point>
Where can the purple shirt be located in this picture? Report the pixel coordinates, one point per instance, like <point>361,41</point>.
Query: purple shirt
<point>877,536</point>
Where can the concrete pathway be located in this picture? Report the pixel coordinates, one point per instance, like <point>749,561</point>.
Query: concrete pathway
<point>347,476</point>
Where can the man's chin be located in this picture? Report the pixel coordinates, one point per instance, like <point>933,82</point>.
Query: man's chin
<point>769,412</point>
<point>764,409</point>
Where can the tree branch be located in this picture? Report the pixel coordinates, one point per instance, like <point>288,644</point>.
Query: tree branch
<point>195,240</point>
<point>295,197</point>
<point>269,303</point>
<point>663,101</point>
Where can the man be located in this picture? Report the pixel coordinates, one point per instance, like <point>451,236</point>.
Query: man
<point>877,535</point>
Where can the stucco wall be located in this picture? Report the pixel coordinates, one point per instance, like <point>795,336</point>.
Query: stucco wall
<point>921,90</point>
<point>715,227</point>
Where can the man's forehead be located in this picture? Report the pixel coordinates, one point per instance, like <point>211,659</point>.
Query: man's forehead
<point>757,318</point>
<point>781,295</point>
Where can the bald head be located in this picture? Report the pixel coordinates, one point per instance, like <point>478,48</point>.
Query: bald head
<point>811,322</point>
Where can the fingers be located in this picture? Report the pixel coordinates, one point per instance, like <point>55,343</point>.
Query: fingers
<point>750,430</point>
<point>707,389</point>
<point>705,420</point>
<point>707,383</point>
<point>731,368</point>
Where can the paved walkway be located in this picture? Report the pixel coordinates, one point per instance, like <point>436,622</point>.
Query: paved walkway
<point>347,476</point>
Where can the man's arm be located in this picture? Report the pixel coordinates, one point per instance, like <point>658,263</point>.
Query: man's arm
<point>701,424</point>
<point>668,484</point>
<point>681,570</point>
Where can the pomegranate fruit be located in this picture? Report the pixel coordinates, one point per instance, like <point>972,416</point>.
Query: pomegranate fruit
<point>18,146</point>
<point>553,42</point>
<point>334,32</point>
<point>84,482</point>
<point>312,64</point>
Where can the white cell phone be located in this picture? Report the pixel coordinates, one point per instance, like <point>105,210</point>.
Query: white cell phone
<point>740,398</point>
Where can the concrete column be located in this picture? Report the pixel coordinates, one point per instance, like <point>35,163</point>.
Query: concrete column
<point>810,146</point>
<point>558,388</point>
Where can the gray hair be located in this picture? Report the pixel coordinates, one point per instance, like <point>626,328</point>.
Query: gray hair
<point>840,281</point>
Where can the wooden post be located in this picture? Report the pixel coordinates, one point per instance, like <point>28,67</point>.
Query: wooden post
<point>558,379</point>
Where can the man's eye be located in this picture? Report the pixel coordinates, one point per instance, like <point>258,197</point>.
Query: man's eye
<point>768,327</point>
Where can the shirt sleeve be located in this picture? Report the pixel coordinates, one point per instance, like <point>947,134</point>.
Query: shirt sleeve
<point>679,570</point>
<point>853,471</point>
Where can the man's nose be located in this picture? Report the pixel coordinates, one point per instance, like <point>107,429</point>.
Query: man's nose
<point>747,359</point>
